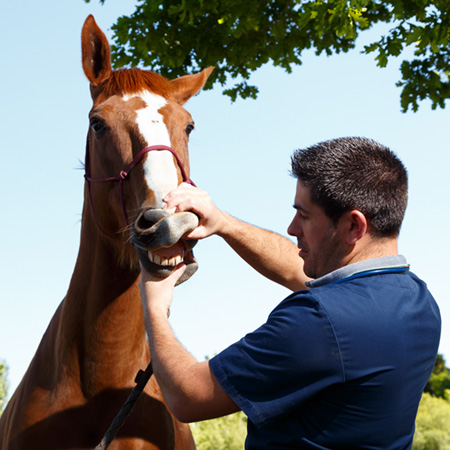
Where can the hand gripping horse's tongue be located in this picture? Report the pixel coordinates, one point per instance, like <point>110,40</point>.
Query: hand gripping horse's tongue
<point>158,239</point>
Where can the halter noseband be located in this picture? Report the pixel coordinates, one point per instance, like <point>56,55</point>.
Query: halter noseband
<point>123,174</point>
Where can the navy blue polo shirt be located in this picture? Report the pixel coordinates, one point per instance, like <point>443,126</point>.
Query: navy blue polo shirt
<point>341,365</point>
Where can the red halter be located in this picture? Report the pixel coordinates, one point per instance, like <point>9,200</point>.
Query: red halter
<point>123,174</point>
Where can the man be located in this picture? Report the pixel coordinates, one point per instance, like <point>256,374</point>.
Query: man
<point>340,365</point>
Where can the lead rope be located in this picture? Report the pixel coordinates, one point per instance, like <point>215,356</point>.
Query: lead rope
<point>141,381</point>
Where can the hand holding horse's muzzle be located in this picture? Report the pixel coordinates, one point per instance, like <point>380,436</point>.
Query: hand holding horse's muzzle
<point>158,239</point>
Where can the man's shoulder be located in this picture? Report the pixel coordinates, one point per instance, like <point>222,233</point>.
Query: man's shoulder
<point>381,286</point>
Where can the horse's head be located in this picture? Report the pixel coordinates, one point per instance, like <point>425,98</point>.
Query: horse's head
<point>137,152</point>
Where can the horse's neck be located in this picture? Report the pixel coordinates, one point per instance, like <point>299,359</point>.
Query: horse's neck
<point>101,323</point>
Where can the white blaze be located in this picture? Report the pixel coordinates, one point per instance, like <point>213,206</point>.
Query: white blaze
<point>160,171</point>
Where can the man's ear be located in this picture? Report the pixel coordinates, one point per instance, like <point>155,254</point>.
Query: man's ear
<point>357,226</point>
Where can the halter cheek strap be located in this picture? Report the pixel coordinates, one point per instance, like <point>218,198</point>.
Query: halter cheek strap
<point>124,174</point>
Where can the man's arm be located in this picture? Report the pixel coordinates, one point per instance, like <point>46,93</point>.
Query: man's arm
<point>190,389</point>
<point>271,254</point>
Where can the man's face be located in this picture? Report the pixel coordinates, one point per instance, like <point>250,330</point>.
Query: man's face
<point>321,243</point>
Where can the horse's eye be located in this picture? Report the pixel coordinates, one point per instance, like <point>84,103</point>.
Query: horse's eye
<point>97,126</point>
<point>189,128</point>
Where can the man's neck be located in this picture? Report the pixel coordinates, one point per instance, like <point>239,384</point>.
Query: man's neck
<point>370,248</point>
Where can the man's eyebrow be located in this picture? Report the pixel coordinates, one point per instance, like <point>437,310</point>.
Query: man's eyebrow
<point>299,207</point>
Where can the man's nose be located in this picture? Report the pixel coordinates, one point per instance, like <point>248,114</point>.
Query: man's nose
<point>296,226</point>
<point>293,228</point>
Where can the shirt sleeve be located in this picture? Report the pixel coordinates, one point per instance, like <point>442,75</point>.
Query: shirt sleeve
<point>276,369</point>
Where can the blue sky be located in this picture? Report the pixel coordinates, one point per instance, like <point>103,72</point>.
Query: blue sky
<point>239,153</point>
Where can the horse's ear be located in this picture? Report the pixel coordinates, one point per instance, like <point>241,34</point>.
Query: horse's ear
<point>95,52</point>
<point>185,87</point>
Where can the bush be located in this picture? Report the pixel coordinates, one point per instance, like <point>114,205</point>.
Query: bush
<point>3,385</point>
<point>439,383</point>
<point>432,424</point>
<point>224,433</point>
<point>229,432</point>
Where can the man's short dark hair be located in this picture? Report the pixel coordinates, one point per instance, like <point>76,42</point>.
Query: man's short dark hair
<point>355,173</point>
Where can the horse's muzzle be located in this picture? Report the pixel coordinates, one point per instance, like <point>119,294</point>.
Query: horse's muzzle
<point>157,236</point>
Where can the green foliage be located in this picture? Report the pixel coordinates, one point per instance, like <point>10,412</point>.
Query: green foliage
<point>432,430</point>
<point>439,383</point>
<point>3,385</point>
<point>225,433</point>
<point>433,417</point>
<point>176,37</point>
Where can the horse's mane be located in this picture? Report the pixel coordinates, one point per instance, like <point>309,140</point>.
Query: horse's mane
<point>134,80</point>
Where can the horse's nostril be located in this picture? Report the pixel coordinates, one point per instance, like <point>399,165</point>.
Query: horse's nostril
<point>156,228</point>
<point>143,224</point>
<point>149,217</point>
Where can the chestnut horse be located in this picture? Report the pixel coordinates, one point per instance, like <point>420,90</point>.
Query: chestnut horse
<point>85,365</point>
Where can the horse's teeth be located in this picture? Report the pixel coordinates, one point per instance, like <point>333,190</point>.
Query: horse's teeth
<point>163,261</point>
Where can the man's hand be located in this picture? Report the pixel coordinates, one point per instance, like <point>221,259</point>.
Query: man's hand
<point>190,198</point>
<point>271,254</point>
<point>157,293</point>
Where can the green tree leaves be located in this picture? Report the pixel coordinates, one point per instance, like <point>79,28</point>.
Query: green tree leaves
<point>424,25</point>
<point>175,37</point>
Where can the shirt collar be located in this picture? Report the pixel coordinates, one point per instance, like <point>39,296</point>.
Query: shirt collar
<point>362,266</point>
